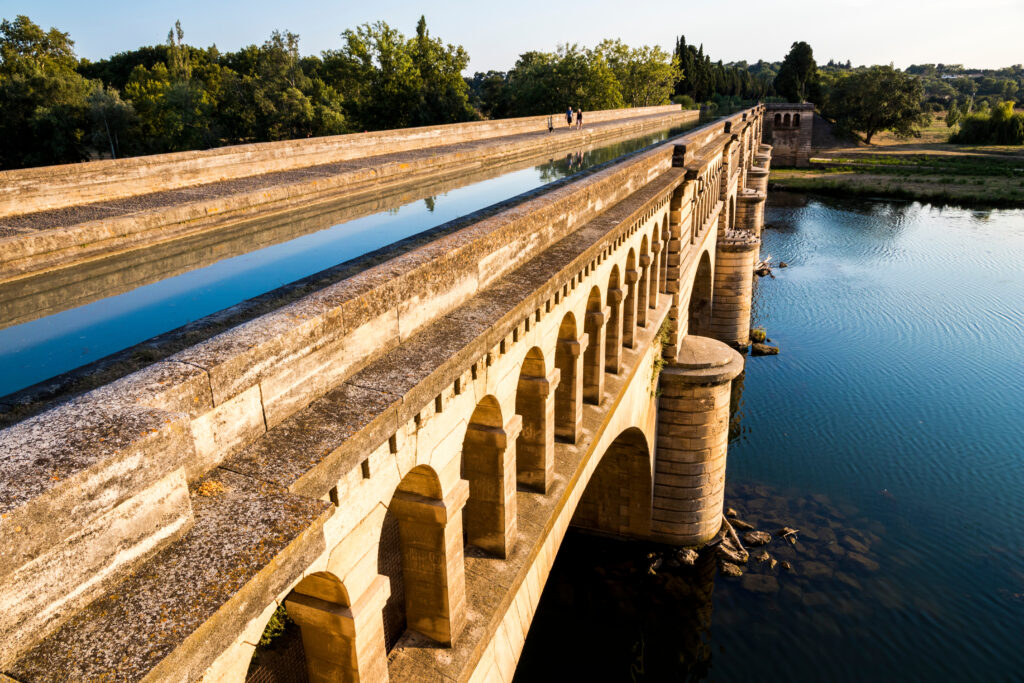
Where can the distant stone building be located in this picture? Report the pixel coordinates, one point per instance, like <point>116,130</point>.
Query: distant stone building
<point>787,128</point>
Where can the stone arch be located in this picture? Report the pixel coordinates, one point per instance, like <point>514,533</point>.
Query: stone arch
<point>613,328</point>
<point>778,119</point>
<point>340,643</point>
<point>629,302</point>
<point>569,349</point>
<point>619,496</point>
<point>535,404</point>
<point>700,298</point>
<point>796,120</point>
<point>421,555</point>
<point>732,212</point>
<point>785,121</point>
<point>643,284</point>
<point>489,465</point>
<point>594,356</point>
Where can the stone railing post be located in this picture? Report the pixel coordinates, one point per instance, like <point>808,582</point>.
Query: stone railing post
<point>343,643</point>
<point>629,312</point>
<point>569,395</point>
<point>643,289</point>
<point>613,345</point>
<point>594,356</point>
<point>693,434</point>
<point>535,461</point>
<point>652,299</point>
<point>489,464</point>
<point>433,564</point>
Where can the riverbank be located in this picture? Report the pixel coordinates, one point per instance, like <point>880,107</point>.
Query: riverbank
<point>925,169</point>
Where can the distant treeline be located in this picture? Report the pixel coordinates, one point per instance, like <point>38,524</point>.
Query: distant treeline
<point>57,108</point>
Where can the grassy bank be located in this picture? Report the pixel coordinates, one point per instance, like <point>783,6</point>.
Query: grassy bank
<point>927,169</point>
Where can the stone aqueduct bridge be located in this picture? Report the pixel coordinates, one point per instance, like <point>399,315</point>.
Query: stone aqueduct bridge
<point>396,458</point>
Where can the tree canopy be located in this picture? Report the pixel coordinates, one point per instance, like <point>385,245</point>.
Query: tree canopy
<point>876,99</point>
<point>797,79</point>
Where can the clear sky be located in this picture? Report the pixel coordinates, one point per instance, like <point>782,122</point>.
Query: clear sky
<point>981,33</point>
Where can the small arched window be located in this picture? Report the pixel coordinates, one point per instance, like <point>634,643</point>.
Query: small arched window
<point>778,119</point>
<point>796,119</point>
<point>785,120</point>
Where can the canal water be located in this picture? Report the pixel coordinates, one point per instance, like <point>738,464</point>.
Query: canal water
<point>61,340</point>
<point>889,432</point>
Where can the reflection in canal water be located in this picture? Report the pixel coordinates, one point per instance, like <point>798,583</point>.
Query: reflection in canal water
<point>68,318</point>
<point>888,432</point>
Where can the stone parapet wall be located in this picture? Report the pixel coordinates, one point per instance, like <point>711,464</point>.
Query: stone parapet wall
<point>52,187</point>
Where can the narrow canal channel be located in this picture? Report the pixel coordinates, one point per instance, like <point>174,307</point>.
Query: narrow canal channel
<point>234,268</point>
<point>889,432</point>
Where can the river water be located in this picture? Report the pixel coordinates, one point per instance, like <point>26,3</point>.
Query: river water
<point>44,331</point>
<point>889,431</point>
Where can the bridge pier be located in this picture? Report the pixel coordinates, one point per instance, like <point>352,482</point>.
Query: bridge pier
<point>596,353</point>
<point>693,432</point>
<point>734,289</point>
<point>535,403</point>
<point>629,316</point>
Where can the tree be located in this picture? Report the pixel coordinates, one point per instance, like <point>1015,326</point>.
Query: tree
<point>392,82</point>
<point>44,100</point>
<point>646,75</point>
<point>876,99</point>
<point>798,74</point>
<point>113,119</point>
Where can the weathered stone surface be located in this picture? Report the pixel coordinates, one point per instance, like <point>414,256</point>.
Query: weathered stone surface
<point>180,609</point>
<point>757,538</point>
<point>729,569</point>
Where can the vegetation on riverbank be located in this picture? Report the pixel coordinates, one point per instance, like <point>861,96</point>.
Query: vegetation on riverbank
<point>927,169</point>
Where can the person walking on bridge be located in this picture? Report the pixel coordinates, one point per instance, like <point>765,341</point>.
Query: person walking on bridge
<point>568,117</point>
<point>579,118</point>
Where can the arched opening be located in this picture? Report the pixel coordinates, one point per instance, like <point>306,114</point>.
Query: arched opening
<point>619,496</point>
<point>700,298</point>
<point>643,284</point>
<point>796,120</point>
<point>778,119</point>
<point>569,393</point>
<point>613,329</point>
<point>593,357</point>
<point>420,553</point>
<point>732,212</point>
<point>489,465</point>
<point>785,121</point>
<point>629,304</point>
<point>279,654</point>
<point>536,405</point>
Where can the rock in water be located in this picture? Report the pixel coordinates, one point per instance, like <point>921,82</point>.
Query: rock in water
<point>763,350</point>
<point>787,566</point>
<point>758,335</point>
<point>687,557</point>
<point>741,525</point>
<point>727,552</point>
<point>783,264</point>
<point>760,583</point>
<point>729,569</point>
<point>757,538</point>
<point>762,269</point>
<point>731,512</point>
<point>762,556</point>
<point>785,532</point>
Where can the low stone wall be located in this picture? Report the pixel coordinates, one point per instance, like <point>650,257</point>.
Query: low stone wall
<point>74,234</point>
<point>53,187</point>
